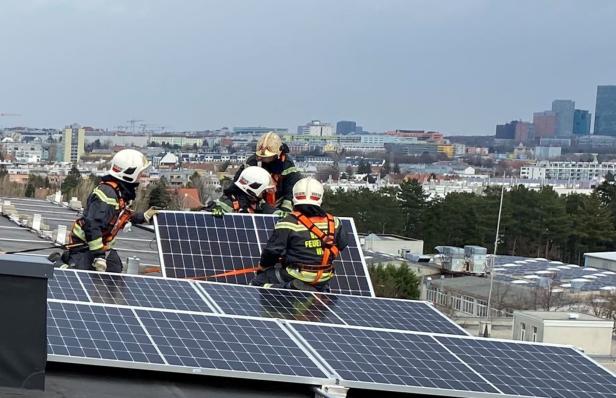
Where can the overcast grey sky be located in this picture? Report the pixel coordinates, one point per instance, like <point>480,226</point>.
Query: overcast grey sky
<point>458,66</point>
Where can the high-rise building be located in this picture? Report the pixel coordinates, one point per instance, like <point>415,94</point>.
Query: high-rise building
<point>524,132</point>
<point>581,122</point>
<point>506,131</point>
<point>74,143</point>
<point>605,111</point>
<point>545,124</point>
<point>316,127</point>
<point>346,127</point>
<point>564,110</point>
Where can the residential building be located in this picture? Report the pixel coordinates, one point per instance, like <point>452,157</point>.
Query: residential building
<point>421,135</point>
<point>117,138</point>
<point>180,140</point>
<point>346,127</point>
<point>568,170</point>
<point>564,110</point>
<point>316,128</point>
<point>506,131</point>
<point>545,124</point>
<point>547,152</point>
<point>605,111</point>
<point>417,148</point>
<point>524,132</point>
<point>581,122</point>
<point>24,152</point>
<point>591,334</point>
<point>74,143</point>
<point>446,149</point>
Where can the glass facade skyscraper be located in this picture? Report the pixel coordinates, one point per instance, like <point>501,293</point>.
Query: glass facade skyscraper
<point>605,111</point>
<point>581,122</point>
<point>564,117</point>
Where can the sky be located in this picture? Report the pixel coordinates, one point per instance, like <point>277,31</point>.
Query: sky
<point>459,66</point>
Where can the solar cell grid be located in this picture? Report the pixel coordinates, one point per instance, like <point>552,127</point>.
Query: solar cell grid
<point>227,344</point>
<point>64,285</point>
<point>97,332</point>
<point>143,291</point>
<point>392,314</point>
<point>532,369</point>
<point>198,244</point>
<point>390,361</point>
<point>270,303</point>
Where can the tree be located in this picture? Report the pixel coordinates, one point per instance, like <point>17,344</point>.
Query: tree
<point>364,167</point>
<point>71,181</point>
<point>413,201</point>
<point>396,168</point>
<point>29,193</point>
<point>159,195</point>
<point>394,281</point>
<point>606,192</point>
<point>386,169</point>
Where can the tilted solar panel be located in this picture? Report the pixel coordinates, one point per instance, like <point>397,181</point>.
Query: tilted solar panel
<point>384,360</point>
<point>269,303</point>
<point>84,331</point>
<point>65,285</point>
<point>197,244</point>
<point>136,291</point>
<point>227,344</point>
<point>536,370</point>
<point>391,314</point>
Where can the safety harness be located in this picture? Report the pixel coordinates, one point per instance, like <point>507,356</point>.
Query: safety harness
<point>330,250</point>
<point>115,225</point>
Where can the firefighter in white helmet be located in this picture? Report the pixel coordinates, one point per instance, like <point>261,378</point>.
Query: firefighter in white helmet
<point>272,155</point>
<point>246,195</point>
<point>106,213</point>
<point>300,252</point>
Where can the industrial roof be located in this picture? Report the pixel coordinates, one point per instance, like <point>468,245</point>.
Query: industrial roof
<point>602,255</point>
<point>138,242</point>
<point>563,316</point>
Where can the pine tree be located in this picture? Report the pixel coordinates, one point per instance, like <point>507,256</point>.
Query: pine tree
<point>159,195</point>
<point>29,190</point>
<point>71,181</point>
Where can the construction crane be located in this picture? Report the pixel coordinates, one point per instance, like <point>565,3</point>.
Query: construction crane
<point>132,123</point>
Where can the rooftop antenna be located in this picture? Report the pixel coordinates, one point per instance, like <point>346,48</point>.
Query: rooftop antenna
<point>500,211</point>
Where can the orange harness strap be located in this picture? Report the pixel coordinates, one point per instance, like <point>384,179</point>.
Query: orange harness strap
<point>327,239</point>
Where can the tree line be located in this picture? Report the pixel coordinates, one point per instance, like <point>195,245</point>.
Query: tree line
<point>538,223</point>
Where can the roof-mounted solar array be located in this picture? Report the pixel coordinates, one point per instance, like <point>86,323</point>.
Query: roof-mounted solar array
<point>197,244</point>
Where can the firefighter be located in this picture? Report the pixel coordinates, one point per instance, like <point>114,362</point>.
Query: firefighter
<point>300,252</point>
<point>246,194</point>
<point>106,213</point>
<point>272,155</point>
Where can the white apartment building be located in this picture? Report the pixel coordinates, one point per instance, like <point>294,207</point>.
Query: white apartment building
<point>318,128</point>
<point>568,170</point>
<point>24,152</point>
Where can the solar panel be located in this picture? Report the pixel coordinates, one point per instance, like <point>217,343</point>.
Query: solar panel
<point>379,359</point>
<point>196,244</point>
<point>64,285</point>
<point>391,314</point>
<point>225,344</point>
<point>269,303</point>
<point>138,291</point>
<point>535,370</point>
<point>78,331</point>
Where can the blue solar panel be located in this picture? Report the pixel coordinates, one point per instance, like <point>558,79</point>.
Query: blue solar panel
<point>532,369</point>
<point>391,314</point>
<point>391,361</point>
<point>269,303</point>
<point>64,285</point>
<point>138,291</point>
<point>199,244</point>
<point>228,344</point>
<point>77,331</point>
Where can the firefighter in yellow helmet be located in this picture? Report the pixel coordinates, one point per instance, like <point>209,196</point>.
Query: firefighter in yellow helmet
<point>272,155</point>
<point>300,253</point>
<point>106,213</point>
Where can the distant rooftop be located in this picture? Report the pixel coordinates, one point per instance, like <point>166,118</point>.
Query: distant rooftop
<point>562,316</point>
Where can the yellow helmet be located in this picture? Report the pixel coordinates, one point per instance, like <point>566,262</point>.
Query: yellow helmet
<point>269,145</point>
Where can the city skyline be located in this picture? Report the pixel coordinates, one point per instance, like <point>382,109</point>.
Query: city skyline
<point>450,67</point>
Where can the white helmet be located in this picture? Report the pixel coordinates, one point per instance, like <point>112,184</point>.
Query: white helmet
<point>254,181</point>
<point>308,191</point>
<point>127,164</point>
